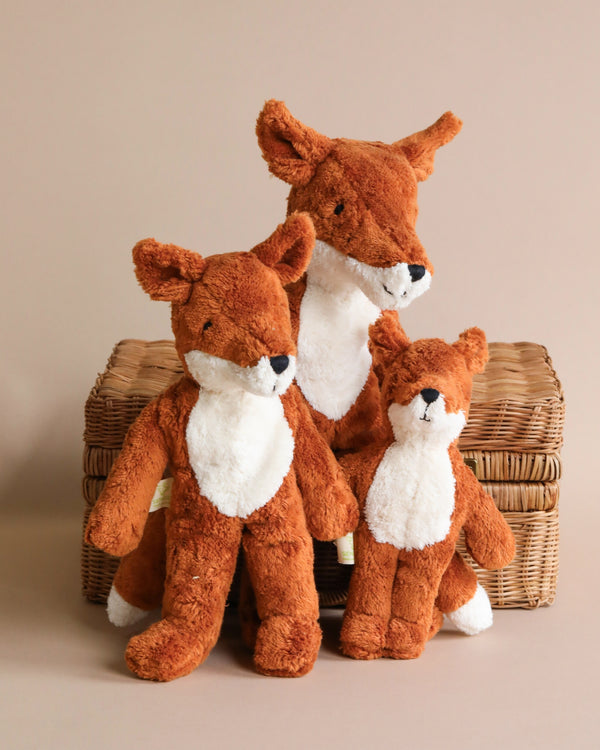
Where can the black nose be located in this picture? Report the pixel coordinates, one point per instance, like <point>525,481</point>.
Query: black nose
<point>429,395</point>
<point>279,364</point>
<point>416,272</point>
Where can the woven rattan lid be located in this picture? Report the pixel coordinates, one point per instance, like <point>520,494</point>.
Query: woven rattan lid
<point>517,403</point>
<point>137,371</point>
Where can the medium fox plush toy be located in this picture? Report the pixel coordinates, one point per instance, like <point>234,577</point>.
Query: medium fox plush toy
<point>248,465</point>
<point>416,494</point>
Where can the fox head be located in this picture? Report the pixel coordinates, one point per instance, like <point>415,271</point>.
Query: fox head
<point>362,198</point>
<point>229,312</point>
<point>425,384</point>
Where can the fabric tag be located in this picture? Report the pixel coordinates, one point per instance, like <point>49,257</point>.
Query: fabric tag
<point>162,495</point>
<point>345,549</point>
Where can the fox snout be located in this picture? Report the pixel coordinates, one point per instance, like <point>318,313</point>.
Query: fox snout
<point>426,417</point>
<point>268,377</point>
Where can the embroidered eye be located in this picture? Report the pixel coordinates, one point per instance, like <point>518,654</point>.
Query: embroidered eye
<point>207,325</point>
<point>338,209</point>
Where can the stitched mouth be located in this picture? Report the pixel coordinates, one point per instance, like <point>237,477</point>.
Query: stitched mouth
<point>425,418</point>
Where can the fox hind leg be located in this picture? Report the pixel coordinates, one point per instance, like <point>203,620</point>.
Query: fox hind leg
<point>138,584</point>
<point>462,599</point>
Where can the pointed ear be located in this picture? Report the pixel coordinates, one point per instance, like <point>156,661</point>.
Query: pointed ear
<point>420,147</point>
<point>292,150</point>
<point>387,340</point>
<point>166,272</point>
<point>473,347</point>
<point>289,249</point>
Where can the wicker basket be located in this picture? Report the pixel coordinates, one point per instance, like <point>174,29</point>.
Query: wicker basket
<point>512,440</point>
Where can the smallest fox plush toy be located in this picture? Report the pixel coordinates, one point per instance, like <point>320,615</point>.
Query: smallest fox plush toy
<point>416,494</point>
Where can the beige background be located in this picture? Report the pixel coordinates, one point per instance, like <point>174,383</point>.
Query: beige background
<point>121,120</point>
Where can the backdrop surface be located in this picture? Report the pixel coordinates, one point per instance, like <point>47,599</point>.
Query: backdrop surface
<point>125,120</point>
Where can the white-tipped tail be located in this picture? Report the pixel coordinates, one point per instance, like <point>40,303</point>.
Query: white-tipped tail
<point>474,616</point>
<point>120,612</point>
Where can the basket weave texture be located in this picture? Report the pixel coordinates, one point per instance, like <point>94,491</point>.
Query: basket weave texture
<point>513,436</point>
<point>517,403</point>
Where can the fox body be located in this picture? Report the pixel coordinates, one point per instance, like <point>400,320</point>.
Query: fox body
<point>362,198</point>
<point>416,494</point>
<point>248,465</point>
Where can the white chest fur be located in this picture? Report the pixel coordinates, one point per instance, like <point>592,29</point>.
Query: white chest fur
<point>333,357</point>
<point>240,447</point>
<point>411,500</point>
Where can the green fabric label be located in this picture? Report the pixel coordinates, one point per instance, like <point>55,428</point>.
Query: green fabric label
<point>162,496</point>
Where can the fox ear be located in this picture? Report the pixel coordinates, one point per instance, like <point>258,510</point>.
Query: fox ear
<point>420,147</point>
<point>292,150</point>
<point>166,272</point>
<point>289,249</point>
<point>473,347</point>
<point>387,340</point>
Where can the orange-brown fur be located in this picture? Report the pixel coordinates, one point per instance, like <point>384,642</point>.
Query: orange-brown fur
<point>241,294</point>
<point>395,599</point>
<point>140,577</point>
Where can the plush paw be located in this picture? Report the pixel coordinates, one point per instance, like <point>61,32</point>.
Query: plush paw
<point>474,616</point>
<point>286,646</point>
<point>110,537</point>
<point>120,612</point>
<point>406,640</point>
<point>165,651</point>
<point>363,636</point>
<point>337,516</point>
<point>347,505</point>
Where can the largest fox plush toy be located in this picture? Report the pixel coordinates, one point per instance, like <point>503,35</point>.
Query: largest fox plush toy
<point>362,198</point>
<point>241,446</point>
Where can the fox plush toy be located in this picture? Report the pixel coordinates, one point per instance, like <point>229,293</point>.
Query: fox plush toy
<point>416,494</point>
<point>248,464</point>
